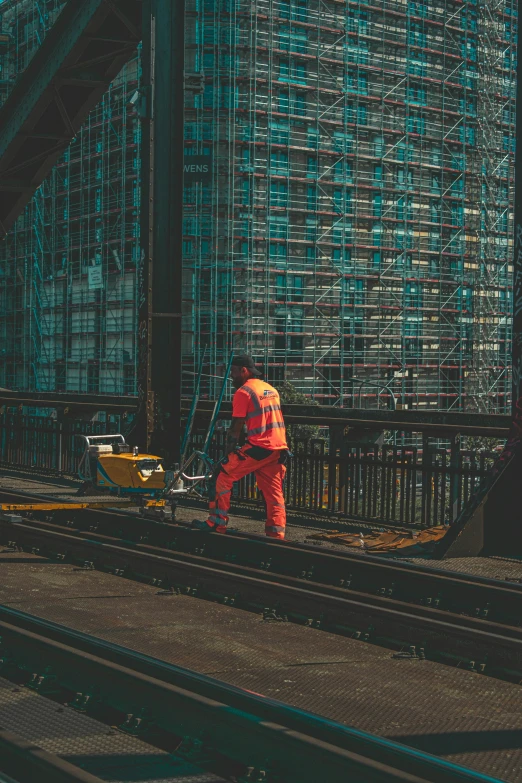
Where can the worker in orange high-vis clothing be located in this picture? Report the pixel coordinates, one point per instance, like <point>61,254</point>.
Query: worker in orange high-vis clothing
<point>265,452</point>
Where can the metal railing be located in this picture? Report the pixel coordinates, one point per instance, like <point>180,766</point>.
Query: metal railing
<point>421,485</point>
<point>45,444</point>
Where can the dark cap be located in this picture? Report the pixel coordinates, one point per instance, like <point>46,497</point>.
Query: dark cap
<point>244,360</point>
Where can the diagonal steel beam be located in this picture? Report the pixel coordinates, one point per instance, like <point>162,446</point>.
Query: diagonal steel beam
<point>85,50</point>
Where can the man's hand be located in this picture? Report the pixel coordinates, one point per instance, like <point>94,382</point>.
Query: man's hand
<point>234,433</point>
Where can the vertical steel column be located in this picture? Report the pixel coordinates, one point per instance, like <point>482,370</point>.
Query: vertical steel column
<point>145,417</point>
<point>160,280</point>
<point>516,362</point>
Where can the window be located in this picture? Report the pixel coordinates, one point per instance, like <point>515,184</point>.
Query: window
<point>229,96</point>
<point>300,104</point>
<point>291,102</point>
<point>417,93</point>
<point>467,299</point>
<point>277,254</point>
<point>280,285</point>
<point>338,200</point>
<point>343,142</point>
<point>377,204</point>
<point>353,291</point>
<point>223,284</point>
<point>297,288</point>
<point>342,257</point>
<point>434,241</point>
<point>278,194</point>
<point>338,171</point>
<point>311,229</point>
<point>291,70</point>
<point>362,114</point>
<point>357,81</point>
<point>416,34</point>
<point>412,295</point>
<point>404,176</point>
<point>284,38</point>
<point>468,19</point>
<point>377,172</point>
<point>467,134</point>
<point>468,49</point>
<point>299,10</point>
<point>284,101</point>
<point>311,167</point>
<point>378,146</point>
<point>508,141</point>
<point>418,63</point>
<point>284,9</point>
<point>457,213</point>
<point>300,72</point>
<point>312,139</point>
<point>311,197</point>
<point>279,161</point>
<point>457,160</point>
<point>416,123</point>
<point>278,226</point>
<point>436,156</point>
<point>457,186</point>
<point>279,132</point>
<point>416,8</point>
<point>412,334</point>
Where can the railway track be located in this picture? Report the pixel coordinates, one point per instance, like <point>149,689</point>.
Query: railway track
<point>22,761</point>
<point>241,735</point>
<point>451,618</point>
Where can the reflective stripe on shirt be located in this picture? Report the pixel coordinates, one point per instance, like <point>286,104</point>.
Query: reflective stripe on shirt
<point>275,425</point>
<point>266,408</point>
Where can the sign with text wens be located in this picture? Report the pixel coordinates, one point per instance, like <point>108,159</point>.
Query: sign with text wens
<point>197,168</point>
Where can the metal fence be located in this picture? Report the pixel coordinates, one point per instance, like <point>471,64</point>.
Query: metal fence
<point>422,485</point>
<point>401,485</point>
<point>44,443</point>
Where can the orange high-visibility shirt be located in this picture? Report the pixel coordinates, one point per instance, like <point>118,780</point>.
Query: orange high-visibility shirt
<point>259,403</point>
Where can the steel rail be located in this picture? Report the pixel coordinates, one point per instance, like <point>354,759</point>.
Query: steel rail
<point>23,762</point>
<point>484,646</point>
<point>460,593</point>
<point>242,726</point>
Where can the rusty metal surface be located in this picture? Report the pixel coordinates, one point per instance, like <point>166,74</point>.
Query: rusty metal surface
<point>462,716</point>
<point>86,743</point>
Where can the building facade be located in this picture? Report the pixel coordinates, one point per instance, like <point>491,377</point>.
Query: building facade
<point>355,235</point>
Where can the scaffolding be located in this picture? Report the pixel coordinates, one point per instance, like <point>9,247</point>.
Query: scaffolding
<point>68,269</point>
<point>363,163</point>
<point>356,233</point>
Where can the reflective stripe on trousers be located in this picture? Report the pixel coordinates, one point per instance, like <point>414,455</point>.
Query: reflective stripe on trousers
<point>269,475</point>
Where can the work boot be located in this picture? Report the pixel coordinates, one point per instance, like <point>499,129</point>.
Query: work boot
<point>207,527</point>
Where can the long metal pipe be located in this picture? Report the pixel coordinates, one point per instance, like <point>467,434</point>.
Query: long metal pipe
<point>516,357</point>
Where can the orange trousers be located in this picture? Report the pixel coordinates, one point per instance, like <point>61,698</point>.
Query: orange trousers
<point>269,471</point>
